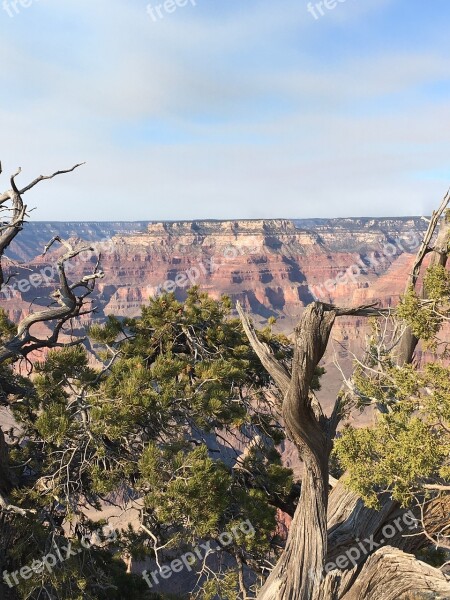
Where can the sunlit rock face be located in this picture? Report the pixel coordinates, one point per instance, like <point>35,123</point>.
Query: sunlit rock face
<point>273,267</point>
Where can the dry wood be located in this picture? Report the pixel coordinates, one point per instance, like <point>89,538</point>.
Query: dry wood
<point>324,529</point>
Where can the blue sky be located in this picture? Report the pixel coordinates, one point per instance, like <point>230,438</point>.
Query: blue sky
<point>227,109</point>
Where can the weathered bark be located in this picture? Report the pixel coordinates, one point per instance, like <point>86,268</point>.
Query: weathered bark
<point>349,520</point>
<point>294,576</point>
<point>389,573</point>
<point>435,520</point>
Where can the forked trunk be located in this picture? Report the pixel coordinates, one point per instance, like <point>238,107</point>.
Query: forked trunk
<point>301,572</point>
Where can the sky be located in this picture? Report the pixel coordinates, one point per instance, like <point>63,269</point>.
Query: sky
<point>226,109</point>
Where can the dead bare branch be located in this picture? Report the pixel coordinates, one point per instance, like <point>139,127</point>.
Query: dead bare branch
<point>45,177</point>
<point>278,372</point>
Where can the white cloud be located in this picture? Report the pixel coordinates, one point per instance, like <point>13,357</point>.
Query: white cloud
<point>266,131</point>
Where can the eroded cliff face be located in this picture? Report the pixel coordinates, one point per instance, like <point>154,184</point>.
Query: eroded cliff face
<point>258,262</point>
<point>273,267</point>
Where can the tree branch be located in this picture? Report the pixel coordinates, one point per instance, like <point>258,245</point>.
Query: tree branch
<point>276,370</point>
<point>44,177</point>
<point>70,306</point>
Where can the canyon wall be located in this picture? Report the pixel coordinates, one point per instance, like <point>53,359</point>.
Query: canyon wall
<point>273,267</point>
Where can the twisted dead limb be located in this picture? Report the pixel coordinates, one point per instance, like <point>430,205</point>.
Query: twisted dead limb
<point>68,298</point>
<point>11,202</point>
<point>70,306</point>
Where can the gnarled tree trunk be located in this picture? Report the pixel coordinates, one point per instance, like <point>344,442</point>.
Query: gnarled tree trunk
<point>323,528</point>
<point>300,572</point>
<point>293,577</point>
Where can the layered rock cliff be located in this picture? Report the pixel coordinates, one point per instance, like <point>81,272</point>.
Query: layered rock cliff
<point>273,267</point>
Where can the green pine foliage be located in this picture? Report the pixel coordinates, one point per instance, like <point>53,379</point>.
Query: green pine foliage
<point>221,587</point>
<point>408,448</point>
<point>422,318</point>
<point>155,416</point>
<point>425,317</point>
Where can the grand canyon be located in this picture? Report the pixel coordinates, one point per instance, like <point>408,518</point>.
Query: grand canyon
<point>224,300</point>
<point>273,267</point>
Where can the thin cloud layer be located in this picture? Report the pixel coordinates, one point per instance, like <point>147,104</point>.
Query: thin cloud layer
<point>241,111</point>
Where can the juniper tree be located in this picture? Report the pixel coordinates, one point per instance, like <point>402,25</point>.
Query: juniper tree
<point>404,456</point>
<point>179,389</point>
<point>159,415</point>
